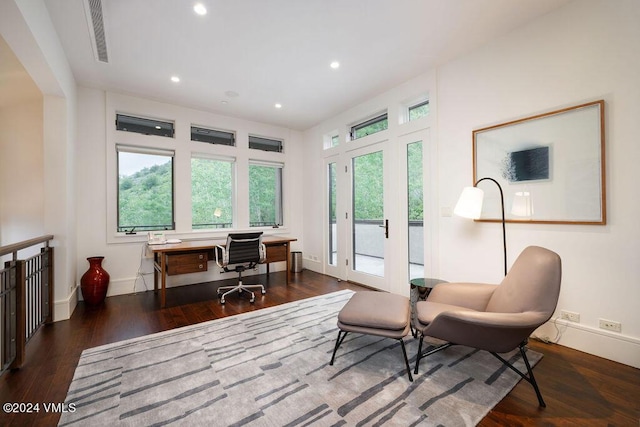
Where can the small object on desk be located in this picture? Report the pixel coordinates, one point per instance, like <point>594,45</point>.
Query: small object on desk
<point>157,242</point>
<point>174,241</point>
<point>420,290</point>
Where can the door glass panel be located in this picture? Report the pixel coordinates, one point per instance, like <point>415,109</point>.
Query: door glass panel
<point>368,214</point>
<point>333,241</point>
<point>415,209</point>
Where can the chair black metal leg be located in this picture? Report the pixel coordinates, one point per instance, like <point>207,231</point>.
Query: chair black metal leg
<point>419,355</point>
<point>406,360</point>
<point>530,378</point>
<point>338,342</point>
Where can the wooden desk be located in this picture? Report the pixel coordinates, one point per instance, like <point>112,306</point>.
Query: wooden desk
<point>192,256</point>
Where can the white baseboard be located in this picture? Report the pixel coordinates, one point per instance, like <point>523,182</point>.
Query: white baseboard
<point>609,345</point>
<point>315,266</point>
<point>63,309</point>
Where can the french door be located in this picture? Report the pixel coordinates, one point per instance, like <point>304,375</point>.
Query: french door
<point>378,229</point>
<point>368,216</point>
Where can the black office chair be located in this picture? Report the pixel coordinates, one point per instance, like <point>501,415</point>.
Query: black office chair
<point>245,251</point>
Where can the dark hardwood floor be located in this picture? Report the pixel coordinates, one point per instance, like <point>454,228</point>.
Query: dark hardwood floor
<point>579,389</point>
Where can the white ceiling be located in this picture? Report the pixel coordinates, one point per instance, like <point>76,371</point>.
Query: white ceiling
<point>278,51</point>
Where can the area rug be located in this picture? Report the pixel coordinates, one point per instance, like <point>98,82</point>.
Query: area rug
<point>270,367</point>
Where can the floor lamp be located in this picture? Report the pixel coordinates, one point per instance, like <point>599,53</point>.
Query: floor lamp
<point>470,206</point>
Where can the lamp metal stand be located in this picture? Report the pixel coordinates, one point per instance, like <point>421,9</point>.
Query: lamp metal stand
<point>504,235</point>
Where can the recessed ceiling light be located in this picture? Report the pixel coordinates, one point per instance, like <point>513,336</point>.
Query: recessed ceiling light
<point>224,102</point>
<point>158,127</point>
<point>278,105</point>
<point>175,79</point>
<point>200,9</point>
<point>335,65</point>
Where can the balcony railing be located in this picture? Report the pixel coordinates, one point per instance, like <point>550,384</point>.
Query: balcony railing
<point>26,297</point>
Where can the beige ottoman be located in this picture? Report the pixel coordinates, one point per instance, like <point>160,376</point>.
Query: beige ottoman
<point>375,313</point>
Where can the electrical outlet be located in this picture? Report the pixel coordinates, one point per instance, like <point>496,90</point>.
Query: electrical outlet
<point>610,325</point>
<point>570,316</point>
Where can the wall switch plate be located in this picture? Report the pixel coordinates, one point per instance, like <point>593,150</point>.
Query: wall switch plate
<point>571,316</point>
<point>610,325</point>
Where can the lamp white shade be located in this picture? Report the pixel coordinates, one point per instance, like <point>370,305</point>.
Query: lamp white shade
<point>522,205</point>
<point>470,203</point>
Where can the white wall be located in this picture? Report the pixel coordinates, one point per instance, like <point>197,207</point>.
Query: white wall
<point>27,28</point>
<point>96,203</point>
<point>585,51</point>
<point>21,173</point>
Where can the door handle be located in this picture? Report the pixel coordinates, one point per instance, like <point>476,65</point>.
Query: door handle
<point>386,228</point>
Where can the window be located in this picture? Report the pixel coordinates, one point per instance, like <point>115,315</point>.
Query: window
<point>335,140</point>
<point>265,194</point>
<point>212,136</point>
<point>333,223</point>
<point>265,144</point>
<point>369,127</point>
<point>419,110</point>
<point>211,192</point>
<point>144,126</point>
<point>145,189</point>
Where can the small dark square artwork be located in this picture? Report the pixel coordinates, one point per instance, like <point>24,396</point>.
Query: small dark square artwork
<point>526,165</point>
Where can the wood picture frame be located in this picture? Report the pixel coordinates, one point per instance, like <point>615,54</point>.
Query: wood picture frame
<point>551,167</point>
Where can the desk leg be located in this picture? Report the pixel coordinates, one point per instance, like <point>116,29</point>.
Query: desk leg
<point>288,246</point>
<point>156,266</point>
<point>163,276</point>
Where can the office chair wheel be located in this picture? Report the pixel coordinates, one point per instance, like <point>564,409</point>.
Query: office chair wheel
<point>240,290</point>
<point>252,299</point>
<point>264,292</point>
<point>222,301</point>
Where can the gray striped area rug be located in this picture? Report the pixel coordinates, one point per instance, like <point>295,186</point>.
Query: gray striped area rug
<point>270,367</point>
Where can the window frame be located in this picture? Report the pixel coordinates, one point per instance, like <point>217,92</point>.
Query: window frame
<point>253,139</point>
<point>232,161</point>
<point>415,106</point>
<point>133,149</point>
<point>279,202</point>
<point>157,127</point>
<point>353,129</point>
<point>219,131</point>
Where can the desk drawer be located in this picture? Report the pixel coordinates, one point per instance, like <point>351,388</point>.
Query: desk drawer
<point>186,263</point>
<point>276,253</point>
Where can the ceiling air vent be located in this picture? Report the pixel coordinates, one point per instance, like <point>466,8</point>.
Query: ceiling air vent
<point>95,20</point>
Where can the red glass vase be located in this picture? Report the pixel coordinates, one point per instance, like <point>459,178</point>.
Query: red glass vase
<point>94,282</point>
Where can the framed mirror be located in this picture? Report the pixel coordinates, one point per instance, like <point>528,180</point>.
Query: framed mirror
<point>551,167</point>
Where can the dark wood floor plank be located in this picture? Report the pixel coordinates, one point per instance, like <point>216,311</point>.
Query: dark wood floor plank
<point>580,389</point>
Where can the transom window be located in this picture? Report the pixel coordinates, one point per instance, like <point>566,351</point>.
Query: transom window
<point>265,144</point>
<point>145,189</point>
<point>144,126</point>
<point>419,110</point>
<point>212,136</point>
<point>370,126</point>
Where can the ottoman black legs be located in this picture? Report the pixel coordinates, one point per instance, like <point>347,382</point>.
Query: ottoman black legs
<point>343,334</point>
